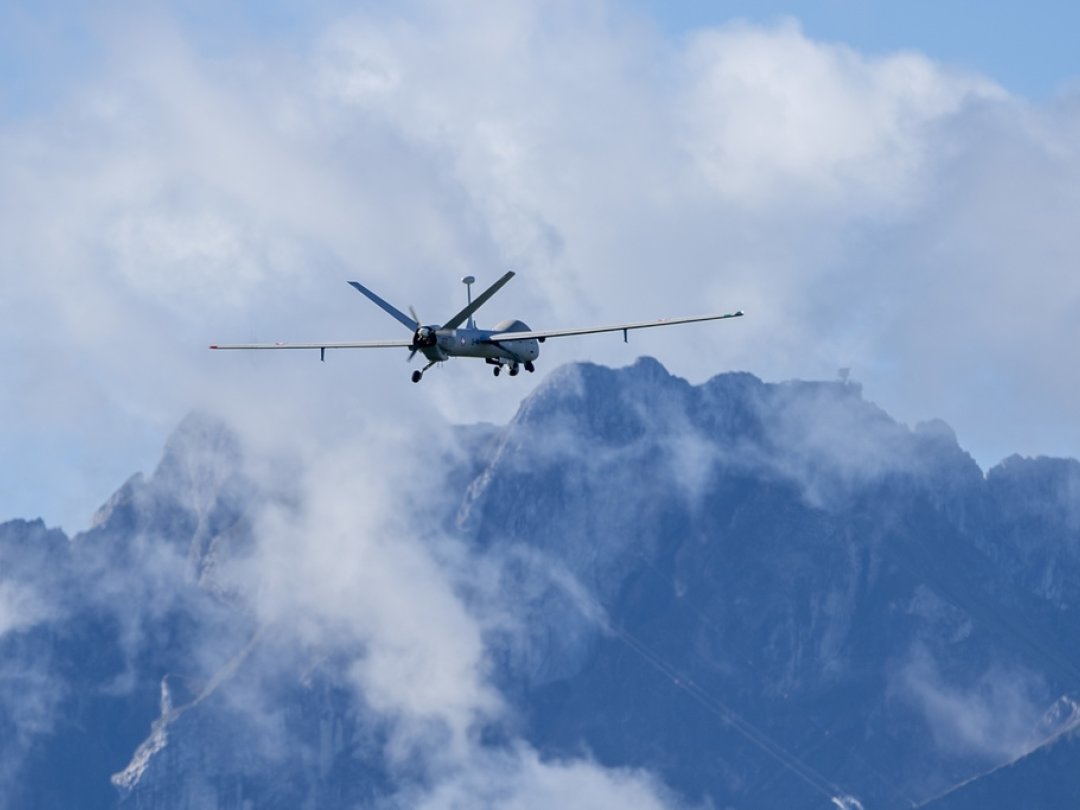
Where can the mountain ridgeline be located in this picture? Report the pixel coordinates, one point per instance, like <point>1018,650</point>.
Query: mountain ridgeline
<point>761,595</point>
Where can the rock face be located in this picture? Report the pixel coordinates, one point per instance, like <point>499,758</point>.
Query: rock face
<point>801,595</point>
<point>104,617</point>
<point>765,595</point>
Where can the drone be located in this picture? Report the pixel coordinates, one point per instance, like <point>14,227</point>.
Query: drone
<point>510,344</point>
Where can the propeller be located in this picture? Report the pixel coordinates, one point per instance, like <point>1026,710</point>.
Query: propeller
<point>412,354</point>
<point>422,336</point>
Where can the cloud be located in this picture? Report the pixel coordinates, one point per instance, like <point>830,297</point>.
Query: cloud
<point>20,607</point>
<point>30,695</point>
<point>880,212</point>
<point>777,121</point>
<point>812,185</point>
<point>350,575</point>
<point>520,779</point>
<point>30,691</point>
<point>346,571</point>
<point>993,717</point>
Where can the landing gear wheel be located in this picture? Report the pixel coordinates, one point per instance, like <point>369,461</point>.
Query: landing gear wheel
<point>514,370</point>
<point>417,376</point>
<point>529,367</point>
<point>496,371</point>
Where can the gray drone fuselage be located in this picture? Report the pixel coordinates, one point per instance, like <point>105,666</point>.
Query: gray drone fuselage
<point>480,343</point>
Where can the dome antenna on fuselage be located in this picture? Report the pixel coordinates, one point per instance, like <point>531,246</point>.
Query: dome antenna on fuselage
<point>468,281</point>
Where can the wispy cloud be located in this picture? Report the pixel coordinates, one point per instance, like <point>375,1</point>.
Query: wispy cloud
<point>992,716</point>
<point>20,607</point>
<point>353,568</point>
<point>34,597</point>
<point>880,212</point>
<point>520,779</point>
<point>868,211</point>
<point>778,121</point>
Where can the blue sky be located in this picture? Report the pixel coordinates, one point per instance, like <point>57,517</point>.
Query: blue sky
<point>880,186</point>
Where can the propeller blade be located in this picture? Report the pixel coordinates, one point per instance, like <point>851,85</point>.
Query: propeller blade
<point>412,312</point>
<point>390,309</point>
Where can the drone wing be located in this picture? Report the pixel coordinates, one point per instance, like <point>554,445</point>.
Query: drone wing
<point>362,344</point>
<point>481,299</point>
<point>503,337</point>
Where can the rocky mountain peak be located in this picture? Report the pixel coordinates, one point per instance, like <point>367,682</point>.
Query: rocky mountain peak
<point>761,594</point>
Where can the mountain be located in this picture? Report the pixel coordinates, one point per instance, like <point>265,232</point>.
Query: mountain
<point>639,591</point>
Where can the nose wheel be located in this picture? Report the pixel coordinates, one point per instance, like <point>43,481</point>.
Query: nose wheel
<point>419,375</point>
<point>529,367</point>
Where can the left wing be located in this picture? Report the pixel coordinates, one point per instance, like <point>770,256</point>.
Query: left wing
<point>504,337</point>
<point>363,344</point>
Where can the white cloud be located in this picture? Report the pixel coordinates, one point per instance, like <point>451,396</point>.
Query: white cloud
<point>521,780</point>
<point>29,698</point>
<point>30,691</point>
<point>771,115</point>
<point>349,564</point>
<point>20,607</point>
<point>878,212</point>
<point>345,564</point>
<point>994,717</point>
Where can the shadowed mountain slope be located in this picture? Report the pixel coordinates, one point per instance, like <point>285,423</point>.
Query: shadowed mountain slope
<point>764,595</point>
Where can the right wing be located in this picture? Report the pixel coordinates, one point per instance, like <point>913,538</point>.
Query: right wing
<point>360,344</point>
<point>544,334</point>
<point>363,344</point>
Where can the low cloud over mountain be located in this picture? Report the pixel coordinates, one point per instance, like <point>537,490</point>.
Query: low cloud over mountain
<point>638,593</point>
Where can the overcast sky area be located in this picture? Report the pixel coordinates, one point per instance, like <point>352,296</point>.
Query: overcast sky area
<point>890,188</point>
